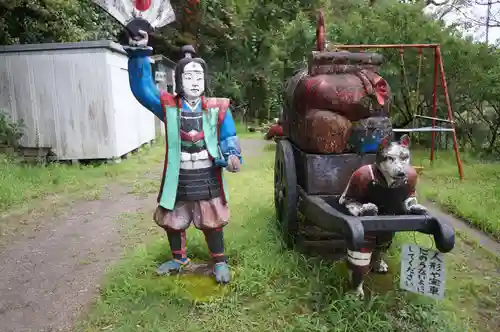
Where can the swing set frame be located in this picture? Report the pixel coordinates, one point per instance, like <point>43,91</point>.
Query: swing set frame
<point>438,75</point>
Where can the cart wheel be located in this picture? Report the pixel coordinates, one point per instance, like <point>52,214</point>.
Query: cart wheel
<point>285,191</point>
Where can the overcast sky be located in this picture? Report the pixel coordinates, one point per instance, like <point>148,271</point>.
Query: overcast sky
<point>477,13</point>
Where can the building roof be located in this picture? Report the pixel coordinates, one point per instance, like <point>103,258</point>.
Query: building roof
<point>166,61</point>
<point>63,46</point>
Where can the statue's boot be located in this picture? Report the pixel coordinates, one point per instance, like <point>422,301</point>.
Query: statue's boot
<point>222,273</point>
<point>215,243</point>
<point>177,241</point>
<point>173,266</point>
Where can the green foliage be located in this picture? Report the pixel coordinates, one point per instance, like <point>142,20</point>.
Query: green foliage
<point>252,47</point>
<point>10,131</point>
<point>269,40</point>
<point>39,21</point>
<point>471,69</point>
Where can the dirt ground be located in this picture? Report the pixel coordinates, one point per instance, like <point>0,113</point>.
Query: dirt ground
<point>48,277</point>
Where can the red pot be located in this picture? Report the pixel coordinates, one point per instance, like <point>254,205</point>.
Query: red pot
<point>348,94</point>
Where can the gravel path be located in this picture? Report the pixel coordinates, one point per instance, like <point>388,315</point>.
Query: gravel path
<point>49,277</point>
<point>486,241</point>
<point>253,147</point>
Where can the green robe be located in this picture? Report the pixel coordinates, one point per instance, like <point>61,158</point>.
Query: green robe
<point>168,191</point>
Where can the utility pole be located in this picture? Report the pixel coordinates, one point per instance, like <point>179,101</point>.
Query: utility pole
<point>488,16</point>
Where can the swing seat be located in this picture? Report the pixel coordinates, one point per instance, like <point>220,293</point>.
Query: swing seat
<point>421,129</point>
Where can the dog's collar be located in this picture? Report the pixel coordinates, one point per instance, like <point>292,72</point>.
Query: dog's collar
<point>371,172</point>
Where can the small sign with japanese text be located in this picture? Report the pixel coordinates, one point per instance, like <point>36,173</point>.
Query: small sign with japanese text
<point>422,271</point>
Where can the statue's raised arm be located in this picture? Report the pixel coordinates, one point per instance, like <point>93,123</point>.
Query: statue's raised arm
<point>140,74</point>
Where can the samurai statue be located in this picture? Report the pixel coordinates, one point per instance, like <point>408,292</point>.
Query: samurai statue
<point>200,142</point>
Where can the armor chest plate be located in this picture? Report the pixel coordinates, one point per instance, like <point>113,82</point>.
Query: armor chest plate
<point>197,174</point>
<point>191,125</point>
<point>198,184</point>
<point>191,131</point>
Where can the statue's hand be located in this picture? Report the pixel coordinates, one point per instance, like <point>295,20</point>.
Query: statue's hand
<point>233,164</point>
<point>417,209</point>
<point>139,41</point>
<point>412,207</point>
<point>368,209</point>
<point>359,210</point>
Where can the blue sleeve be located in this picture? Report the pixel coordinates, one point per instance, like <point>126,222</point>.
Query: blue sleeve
<point>229,142</point>
<point>141,80</point>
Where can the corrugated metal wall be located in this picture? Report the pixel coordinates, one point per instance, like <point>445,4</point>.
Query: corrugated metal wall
<point>134,125</point>
<point>73,98</point>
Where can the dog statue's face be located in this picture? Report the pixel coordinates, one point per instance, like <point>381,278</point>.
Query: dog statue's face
<point>393,159</point>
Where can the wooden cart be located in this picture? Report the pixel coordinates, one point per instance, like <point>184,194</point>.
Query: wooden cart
<point>306,192</point>
<point>307,184</point>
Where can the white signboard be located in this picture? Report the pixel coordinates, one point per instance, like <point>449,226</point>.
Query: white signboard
<point>422,271</point>
<point>157,12</point>
<point>160,76</point>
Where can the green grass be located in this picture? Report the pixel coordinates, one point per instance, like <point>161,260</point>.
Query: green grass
<point>275,289</point>
<point>242,131</point>
<point>36,190</point>
<point>29,192</point>
<point>23,184</point>
<point>475,199</point>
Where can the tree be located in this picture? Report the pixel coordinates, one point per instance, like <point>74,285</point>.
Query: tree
<point>37,21</point>
<point>253,46</point>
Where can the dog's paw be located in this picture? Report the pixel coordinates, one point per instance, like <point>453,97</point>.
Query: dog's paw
<point>417,209</point>
<point>380,267</point>
<point>354,209</point>
<point>368,209</point>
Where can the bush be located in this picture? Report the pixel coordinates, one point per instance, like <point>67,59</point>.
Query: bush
<point>10,131</point>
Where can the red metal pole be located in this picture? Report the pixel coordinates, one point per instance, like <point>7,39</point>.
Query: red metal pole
<point>450,113</point>
<point>434,102</point>
<point>320,32</point>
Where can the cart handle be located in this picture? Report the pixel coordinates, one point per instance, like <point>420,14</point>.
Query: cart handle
<point>331,219</point>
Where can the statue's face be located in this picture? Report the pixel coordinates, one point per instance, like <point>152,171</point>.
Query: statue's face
<point>193,81</point>
<point>394,161</point>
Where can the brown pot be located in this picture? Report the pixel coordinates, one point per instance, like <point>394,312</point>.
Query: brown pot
<point>321,131</point>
